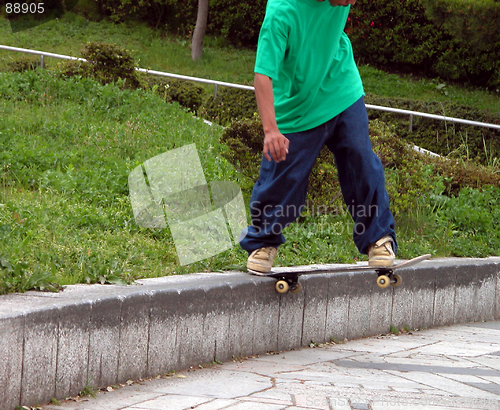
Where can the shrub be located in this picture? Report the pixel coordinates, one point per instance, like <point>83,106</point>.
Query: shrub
<point>106,63</point>
<point>459,175</point>
<point>110,62</point>
<point>416,173</point>
<point>244,141</point>
<point>177,16</point>
<point>74,68</point>
<point>401,36</point>
<point>409,174</point>
<point>475,23</point>
<point>464,141</point>
<point>186,93</point>
<point>239,22</point>
<point>394,34</point>
<point>24,64</point>
<point>229,105</point>
<point>447,139</point>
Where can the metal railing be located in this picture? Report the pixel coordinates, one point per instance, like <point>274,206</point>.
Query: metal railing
<point>432,116</point>
<point>216,84</point>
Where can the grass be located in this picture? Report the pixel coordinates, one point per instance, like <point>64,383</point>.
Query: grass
<point>68,147</point>
<point>159,51</point>
<point>425,89</point>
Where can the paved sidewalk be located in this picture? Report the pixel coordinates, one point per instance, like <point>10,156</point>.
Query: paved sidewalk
<point>456,367</point>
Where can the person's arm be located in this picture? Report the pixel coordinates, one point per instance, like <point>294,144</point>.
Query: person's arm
<point>275,143</point>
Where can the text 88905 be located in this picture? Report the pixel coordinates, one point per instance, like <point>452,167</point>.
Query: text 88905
<point>24,8</point>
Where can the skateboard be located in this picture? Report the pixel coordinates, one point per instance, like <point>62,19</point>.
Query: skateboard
<point>288,278</point>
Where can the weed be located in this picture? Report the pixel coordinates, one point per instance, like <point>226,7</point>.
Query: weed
<point>88,390</point>
<point>16,277</point>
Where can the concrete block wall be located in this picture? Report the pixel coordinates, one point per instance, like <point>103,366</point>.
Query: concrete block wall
<point>51,345</point>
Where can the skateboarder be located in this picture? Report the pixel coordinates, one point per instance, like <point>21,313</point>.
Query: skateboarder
<point>309,94</point>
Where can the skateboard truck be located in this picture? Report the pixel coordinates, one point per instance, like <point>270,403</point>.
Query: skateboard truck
<point>387,277</point>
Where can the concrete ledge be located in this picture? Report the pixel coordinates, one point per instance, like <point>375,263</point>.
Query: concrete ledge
<point>52,344</point>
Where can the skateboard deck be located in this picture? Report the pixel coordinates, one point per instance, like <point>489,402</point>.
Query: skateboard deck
<point>288,278</point>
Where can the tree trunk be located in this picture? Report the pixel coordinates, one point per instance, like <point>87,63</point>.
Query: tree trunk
<point>199,30</point>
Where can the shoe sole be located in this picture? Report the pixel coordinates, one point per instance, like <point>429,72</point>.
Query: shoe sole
<point>381,264</point>
<point>258,268</point>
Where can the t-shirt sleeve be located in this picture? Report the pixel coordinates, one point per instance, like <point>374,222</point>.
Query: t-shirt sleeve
<point>271,47</point>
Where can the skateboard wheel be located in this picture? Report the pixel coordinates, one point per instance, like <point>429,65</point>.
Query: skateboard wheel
<point>296,289</point>
<point>383,281</point>
<point>396,280</point>
<point>282,286</point>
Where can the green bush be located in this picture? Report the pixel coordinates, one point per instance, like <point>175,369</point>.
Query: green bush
<point>473,22</point>
<point>459,174</point>
<point>186,93</point>
<point>409,174</point>
<point>229,105</point>
<point>459,140</point>
<point>239,22</point>
<point>400,36</point>
<point>107,63</point>
<point>452,140</point>
<point>24,64</point>
<point>394,34</point>
<point>176,16</point>
<point>244,141</point>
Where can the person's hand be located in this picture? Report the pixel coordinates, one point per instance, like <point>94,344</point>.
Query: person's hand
<point>342,3</point>
<point>275,146</point>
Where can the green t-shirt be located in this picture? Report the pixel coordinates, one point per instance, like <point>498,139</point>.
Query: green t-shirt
<point>304,50</point>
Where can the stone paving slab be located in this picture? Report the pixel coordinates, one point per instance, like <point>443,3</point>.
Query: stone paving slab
<point>377,373</point>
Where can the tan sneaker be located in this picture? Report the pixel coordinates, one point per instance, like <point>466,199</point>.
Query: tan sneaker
<point>261,260</point>
<point>381,253</point>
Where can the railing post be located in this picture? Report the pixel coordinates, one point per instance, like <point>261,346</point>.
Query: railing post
<point>411,122</point>
<point>41,61</point>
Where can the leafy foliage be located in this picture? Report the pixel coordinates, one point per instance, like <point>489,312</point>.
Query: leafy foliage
<point>229,105</point>
<point>23,64</point>
<point>461,141</point>
<point>409,174</point>
<point>16,277</point>
<point>472,22</point>
<point>106,63</point>
<point>186,93</point>
<point>239,22</point>
<point>401,36</point>
<point>176,16</point>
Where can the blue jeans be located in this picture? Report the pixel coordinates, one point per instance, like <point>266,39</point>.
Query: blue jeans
<point>279,195</point>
